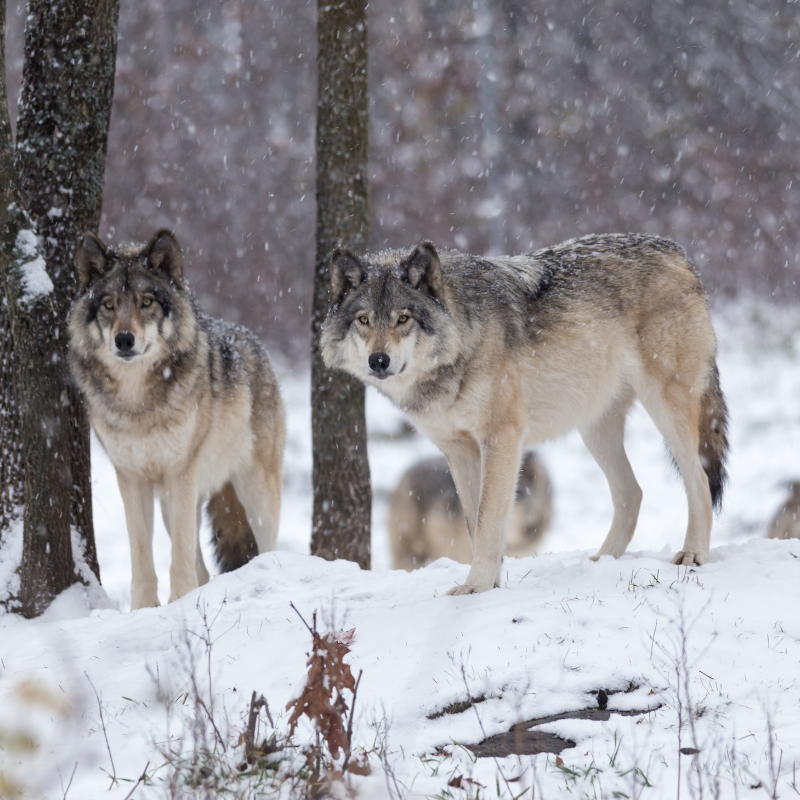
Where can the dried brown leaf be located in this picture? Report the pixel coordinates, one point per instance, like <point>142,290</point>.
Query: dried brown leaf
<point>359,765</point>
<point>322,699</point>
<point>345,637</point>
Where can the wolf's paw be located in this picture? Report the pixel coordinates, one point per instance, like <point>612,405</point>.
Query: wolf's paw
<point>181,585</point>
<point>144,602</point>
<point>598,556</point>
<point>467,589</point>
<point>689,558</point>
<point>176,595</point>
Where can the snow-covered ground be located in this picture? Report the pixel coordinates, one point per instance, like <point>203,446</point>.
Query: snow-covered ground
<point>560,629</point>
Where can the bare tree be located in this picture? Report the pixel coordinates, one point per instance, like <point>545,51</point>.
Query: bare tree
<point>29,362</point>
<point>11,485</point>
<point>51,189</point>
<point>342,494</point>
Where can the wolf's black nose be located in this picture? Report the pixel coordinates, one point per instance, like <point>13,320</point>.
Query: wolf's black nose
<point>124,341</point>
<point>378,362</point>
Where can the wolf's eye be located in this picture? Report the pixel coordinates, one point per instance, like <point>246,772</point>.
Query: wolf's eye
<point>109,305</point>
<point>147,302</point>
<point>364,319</point>
<point>402,319</point>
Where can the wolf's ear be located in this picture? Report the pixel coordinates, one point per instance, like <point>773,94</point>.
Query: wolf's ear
<point>423,270</point>
<point>164,256</point>
<point>91,258</point>
<point>347,272</point>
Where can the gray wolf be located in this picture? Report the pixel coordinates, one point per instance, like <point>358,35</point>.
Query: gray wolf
<point>426,520</point>
<point>489,355</point>
<point>786,523</point>
<point>185,406</point>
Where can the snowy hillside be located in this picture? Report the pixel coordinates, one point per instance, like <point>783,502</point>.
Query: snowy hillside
<point>707,659</point>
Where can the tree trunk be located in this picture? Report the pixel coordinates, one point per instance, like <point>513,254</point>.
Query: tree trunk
<point>62,135</point>
<point>10,442</point>
<point>10,446</point>
<point>25,352</point>
<point>9,426</point>
<point>342,493</point>
<point>10,481</point>
<point>25,311</point>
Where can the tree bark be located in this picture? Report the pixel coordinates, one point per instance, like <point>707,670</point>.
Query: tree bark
<point>10,445</point>
<point>342,494</point>
<point>10,449</point>
<point>62,135</point>
<point>26,351</point>
<point>10,476</point>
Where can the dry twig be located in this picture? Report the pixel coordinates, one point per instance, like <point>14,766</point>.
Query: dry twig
<point>105,733</point>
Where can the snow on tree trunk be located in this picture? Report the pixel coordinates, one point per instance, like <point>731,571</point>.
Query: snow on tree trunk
<point>342,493</point>
<point>62,134</point>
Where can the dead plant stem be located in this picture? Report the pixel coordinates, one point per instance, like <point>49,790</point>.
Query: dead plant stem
<point>105,733</point>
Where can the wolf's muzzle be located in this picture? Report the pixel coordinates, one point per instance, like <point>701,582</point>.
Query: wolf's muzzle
<point>379,364</point>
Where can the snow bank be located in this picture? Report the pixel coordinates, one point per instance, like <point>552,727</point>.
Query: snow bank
<point>560,629</point>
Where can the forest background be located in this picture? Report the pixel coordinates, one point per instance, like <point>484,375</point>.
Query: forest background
<point>496,127</point>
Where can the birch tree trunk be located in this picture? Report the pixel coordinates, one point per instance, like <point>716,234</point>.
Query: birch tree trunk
<point>342,493</point>
<point>51,191</point>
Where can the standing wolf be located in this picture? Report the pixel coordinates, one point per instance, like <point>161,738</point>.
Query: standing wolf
<point>184,405</point>
<point>488,355</point>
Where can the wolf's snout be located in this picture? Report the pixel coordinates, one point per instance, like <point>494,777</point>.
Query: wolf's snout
<point>124,342</point>
<point>379,363</point>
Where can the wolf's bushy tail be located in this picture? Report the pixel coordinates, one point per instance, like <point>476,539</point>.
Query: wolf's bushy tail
<point>713,446</point>
<point>234,543</point>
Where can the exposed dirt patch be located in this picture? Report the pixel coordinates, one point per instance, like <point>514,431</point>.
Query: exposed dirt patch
<point>519,741</point>
<point>523,740</point>
<point>458,707</point>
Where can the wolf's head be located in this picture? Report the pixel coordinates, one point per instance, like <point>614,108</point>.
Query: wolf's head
<point>388,319</point>
<point>127,299</point>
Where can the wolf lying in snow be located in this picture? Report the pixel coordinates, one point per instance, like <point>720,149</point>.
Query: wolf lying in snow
<point>488,355</point>
<point>185,406</point>
<point>786,522</point>
<point>426,520</point>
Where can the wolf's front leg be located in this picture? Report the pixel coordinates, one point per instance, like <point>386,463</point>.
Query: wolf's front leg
<point>500,460</point>
<point>181,499</point>
<point>202,571</point>
<point>464,460</point>
<point>137,497</point>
